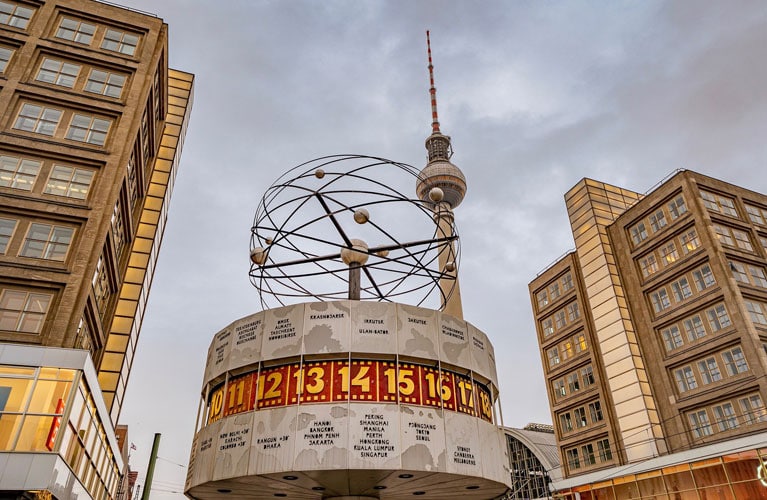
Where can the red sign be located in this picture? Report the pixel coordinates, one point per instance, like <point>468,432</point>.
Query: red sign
<point>55,426</point>
<point>359,380</point>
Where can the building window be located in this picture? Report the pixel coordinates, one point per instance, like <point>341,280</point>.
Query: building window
<point>567,350</point>
<point>553,355</point>
<point>595,410</point>
<point>38,119</point>
<point>580,343</point>
<point>58,72</point>
<point>572,383</point>
<point>672,338</point>
<point>573,461</point>
<point>85,128</point>
<point>638,233</point>
<point>725,417</point>
<point>756,312</point>
<point>46,241</point>
<point>734,361</point>
<point>648,265</point>
<point>18,173</point>
<point>573,311</point>
<point>742,240</point>
<point>660,300</point>
<point>559,320</point>
<point>554,291</point>
<point>5,57</point>
<point>758,276</point>
<point>76,31</point>
<point>694,328</point>
<point>657,221</point>
<point>567,282</point>
<point>668,254</point>
<point>763,241</point>
<point>543,299</point>
<point>580,417</point>
<point>703,277</point>
<point>22,311</point>
<point>588,454</point>
<point>15,15</point>
<point>118,228</point>
<point>719,204</point>
<point>566,422</point>
<point>677,207</point>
<point>690,241</point>
<point>681,289</point>
<point>83,338</point>
<point>105,83</point>
<point>739,272</point>
<point>753,409</point>
<point>718,317</point>
<point>709,371</point>
<point>587,375</point>
<point>685,379</point>
<point>605,454</point>
<point>756,215</point>
<point>119,41</point>
<point>548,327</point>
<point>7,226</point>
<point>700,424</point>
<point>69,181</point>
<point>102,290</point>
<point>559,388</point>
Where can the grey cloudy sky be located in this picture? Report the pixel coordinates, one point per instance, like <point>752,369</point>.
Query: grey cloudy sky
<point>535,94</point>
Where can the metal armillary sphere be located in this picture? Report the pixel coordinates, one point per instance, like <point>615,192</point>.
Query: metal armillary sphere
<point>340,227</point>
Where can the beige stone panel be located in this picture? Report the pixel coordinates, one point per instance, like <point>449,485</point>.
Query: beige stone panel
<point>495,452</point>
<point>273,441</point>
<point>417,329</point>
<point>322,437</point>
<point>205,454</point>
<point>641,449</point>
<point>606,296</point>
<point>423,438</point>
<point>634,411</point>
<point>464,451</point>
<point>374,436</point>
<point>247,334</point>
<point>233,446</point>
<point>623,380</point>
<point>626,393</point>
<point>283,331</point>
<point>454,341</point>
<point>327,327</point>
<point>606,312</point>
<point>374,327</point>
<point>480,360</point>
<point>623,366</point>
<point>616,355</point>
<point>611,340</point>
<point>219,362</point>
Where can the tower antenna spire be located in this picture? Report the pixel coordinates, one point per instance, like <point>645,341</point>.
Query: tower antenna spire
<point>432,89</point>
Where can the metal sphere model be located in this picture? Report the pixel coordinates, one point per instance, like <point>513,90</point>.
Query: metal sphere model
<point>361,390</point>
<point>308,220</point>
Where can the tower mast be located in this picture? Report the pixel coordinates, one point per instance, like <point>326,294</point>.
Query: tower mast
<point>443,185</point>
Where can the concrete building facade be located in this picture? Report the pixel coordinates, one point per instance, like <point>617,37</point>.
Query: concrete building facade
<point>670,290</point>
<point>92,122</point>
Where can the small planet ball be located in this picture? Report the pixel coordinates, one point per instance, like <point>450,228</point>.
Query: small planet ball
<point>319,173</point>
<point>361,216</point>
<point>436,194</point>
<point>258,256</point>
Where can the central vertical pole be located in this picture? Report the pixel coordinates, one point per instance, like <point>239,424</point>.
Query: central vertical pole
<point>354,281</point>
